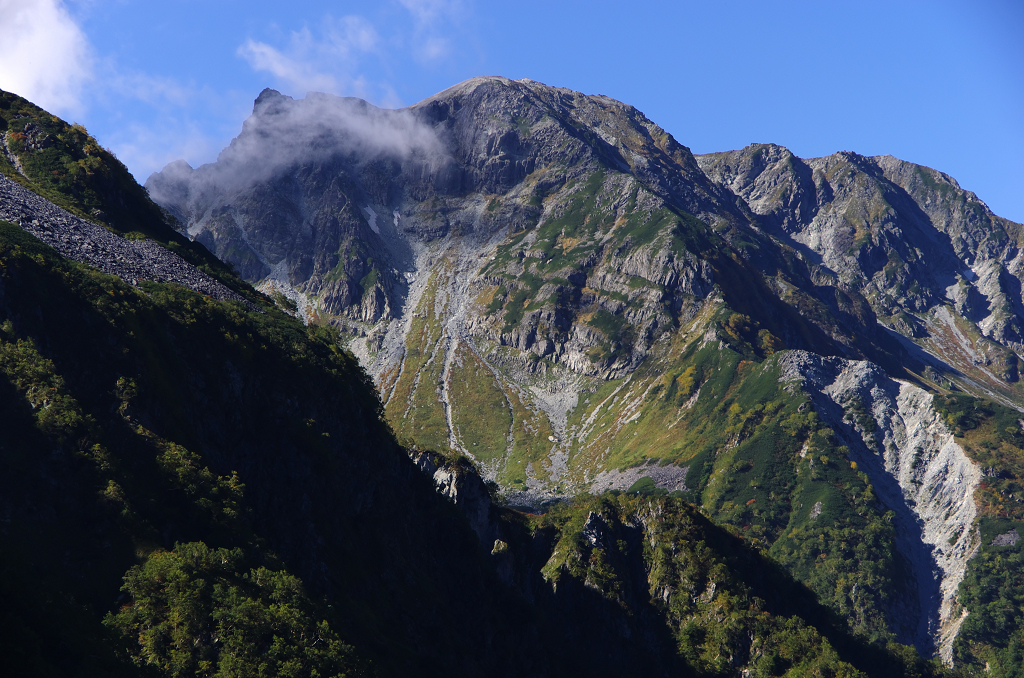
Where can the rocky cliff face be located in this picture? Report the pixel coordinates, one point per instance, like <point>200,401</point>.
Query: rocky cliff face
<point>918,469</point>
<point>458,481</point>
<point>554,236</point>
<point>81,240</point>
<point>936,265</point>
<point>477,159</point>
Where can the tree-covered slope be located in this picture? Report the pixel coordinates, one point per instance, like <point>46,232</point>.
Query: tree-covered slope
<point>143,419</point>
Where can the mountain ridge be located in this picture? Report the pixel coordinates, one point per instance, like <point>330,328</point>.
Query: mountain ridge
<point>582,324</point>
<point>561,290</point>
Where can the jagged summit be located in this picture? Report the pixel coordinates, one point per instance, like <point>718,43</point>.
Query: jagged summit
<point>471,84</point>
<point>266,97</point>
<point>907,237</point>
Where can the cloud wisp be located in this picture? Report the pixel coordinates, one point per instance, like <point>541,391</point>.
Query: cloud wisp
<point>338,54</point>
<point>44,55</point>
<point>320,64</point>
<point>428,12</point>
<point>47,57</point>
<point>284,133</point>
<point>433,19</point>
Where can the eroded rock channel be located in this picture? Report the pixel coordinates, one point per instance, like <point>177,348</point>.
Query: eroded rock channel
<point>919,472</point>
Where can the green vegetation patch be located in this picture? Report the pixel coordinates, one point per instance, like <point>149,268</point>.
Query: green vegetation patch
<point>116,442</point>
<point>761,463</point>
<point>992,637</point>
<point>515,309</point>
<point>368,281</point>
<point>480,410</point>
<point>414,408</point>
<point>992,436</point>
<point>530,430</point>
<point>642,229</point>
<point>197,610</point>
<point>717,603</point>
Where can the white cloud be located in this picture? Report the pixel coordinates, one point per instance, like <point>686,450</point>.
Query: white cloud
<point>284,132</point>
<point>432,48</point>
<point>44,55</point>
<point>323,64</point>
<point>299,73</point>
<point>158,91</point>
<point>428,11</point>
<point>389,97</point>
<point>351,34</point>
<point>432,19</point>
<point>148,148</point>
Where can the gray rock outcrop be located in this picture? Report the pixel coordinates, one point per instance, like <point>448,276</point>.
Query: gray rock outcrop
<point>918,471</point>
<point>464,488</point>
<point>1006,539</point>
<point>86,242</point>
<point>906,237</point>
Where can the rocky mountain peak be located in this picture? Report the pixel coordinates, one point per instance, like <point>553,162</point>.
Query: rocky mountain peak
<point>268,98</point>
<point>548,283</point>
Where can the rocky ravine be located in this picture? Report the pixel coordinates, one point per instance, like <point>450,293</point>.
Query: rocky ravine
<point>918,470</point>
<point>81,240</point>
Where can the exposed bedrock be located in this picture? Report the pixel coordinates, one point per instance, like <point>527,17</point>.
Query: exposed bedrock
<point>80,240</point>
<point>919,472</point>
<point>464,488</point>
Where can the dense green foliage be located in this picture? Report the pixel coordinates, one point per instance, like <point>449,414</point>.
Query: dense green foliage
<point>992,435</point>
<point>166,416</point>
<point>198,611</point>
<point>724,605</point>
<point>116,473</point>
<point>992,591</point>
<point>759,460</point>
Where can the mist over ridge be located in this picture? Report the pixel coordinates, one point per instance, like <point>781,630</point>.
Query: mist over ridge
<point>283,131</point>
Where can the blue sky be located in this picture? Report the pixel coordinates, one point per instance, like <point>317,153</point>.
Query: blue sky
<point>938,83</point>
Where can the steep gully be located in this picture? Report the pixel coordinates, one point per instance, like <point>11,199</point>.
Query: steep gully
<point>409,263</point>
<point>919,472</point>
